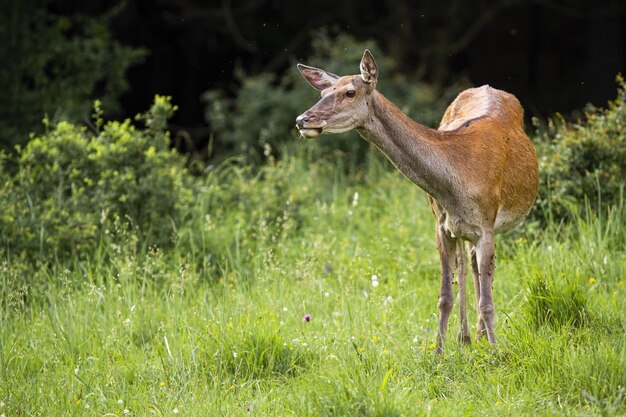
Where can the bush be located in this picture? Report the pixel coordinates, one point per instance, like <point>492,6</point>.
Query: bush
<point>266,105</point>
<point>72,185</point>
<point>582,161</point>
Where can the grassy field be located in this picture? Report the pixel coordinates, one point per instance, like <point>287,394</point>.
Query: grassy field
<point>310,288</point>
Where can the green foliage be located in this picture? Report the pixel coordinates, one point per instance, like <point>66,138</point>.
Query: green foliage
<point>253,349</point>
<point>583,161</point>
<point>265,108</point>
<point>154,331</point>
<point>210,322</point>
<point>72,185</point>
<point>557,303</point>
<point>55,64</point>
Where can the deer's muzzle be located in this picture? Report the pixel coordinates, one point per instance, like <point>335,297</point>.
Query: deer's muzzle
<point>309,125</point>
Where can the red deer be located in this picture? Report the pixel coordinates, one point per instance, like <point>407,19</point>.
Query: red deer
<point>479,170</point>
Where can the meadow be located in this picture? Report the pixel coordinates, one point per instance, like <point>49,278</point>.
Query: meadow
<point>308,287</point>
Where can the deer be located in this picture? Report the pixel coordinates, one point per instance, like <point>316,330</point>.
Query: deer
<point>479,170</point>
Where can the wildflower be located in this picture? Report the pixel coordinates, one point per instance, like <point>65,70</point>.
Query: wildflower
<point>175,411</point>
<point>127,322</point>
<point>163,383</point>
<point>326,294</point>
<point>248,407</point>
<point>234,354</point>
<point>498,403</point>
<point>285,308</point>
<point>355,199</point>
<point>415,339</point>
<point>328,268</point>
<point>433,346</point>
<point>75,371</point>
<point>592,280</point>
<point>306,317</point>
<point>374,284</point>
<point>120,401</point>
<point>126,411</point>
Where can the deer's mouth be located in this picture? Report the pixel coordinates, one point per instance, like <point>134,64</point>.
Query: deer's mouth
<point>310,132</point>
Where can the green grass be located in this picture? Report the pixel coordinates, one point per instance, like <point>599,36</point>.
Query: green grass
<point>214,326</point>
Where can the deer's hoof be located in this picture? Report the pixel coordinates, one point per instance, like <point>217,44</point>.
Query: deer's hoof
<point>463,339</point>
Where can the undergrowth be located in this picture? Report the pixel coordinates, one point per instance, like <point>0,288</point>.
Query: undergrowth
<point>301,290</point>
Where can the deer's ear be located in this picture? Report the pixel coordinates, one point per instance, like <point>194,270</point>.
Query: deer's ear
<point>319,79</point>
<point>369,69</point>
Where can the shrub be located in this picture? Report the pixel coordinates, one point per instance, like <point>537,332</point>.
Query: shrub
<point>265,108</point>
<point>71,184</point>
<point>584,160</point>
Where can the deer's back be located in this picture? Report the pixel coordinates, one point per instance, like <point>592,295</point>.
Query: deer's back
<point>485,101</point>
<point>491,123</point>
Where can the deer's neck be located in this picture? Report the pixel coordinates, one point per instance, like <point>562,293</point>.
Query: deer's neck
<point>411,147</point>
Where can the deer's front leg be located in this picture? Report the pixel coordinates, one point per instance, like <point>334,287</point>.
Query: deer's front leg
<point>485,260</point>
<point>447,254</point>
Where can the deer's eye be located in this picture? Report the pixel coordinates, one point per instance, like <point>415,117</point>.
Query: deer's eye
<point>350,93</point>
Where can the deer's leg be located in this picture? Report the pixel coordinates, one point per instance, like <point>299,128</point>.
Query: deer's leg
<point>485,254</point>
<point>447,253</point>
<point>480,327</point>
<point>461,268</point>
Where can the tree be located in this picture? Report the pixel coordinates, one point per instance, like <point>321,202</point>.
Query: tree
<point>54,64</point>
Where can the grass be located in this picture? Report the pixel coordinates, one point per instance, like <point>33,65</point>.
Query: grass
<point>215,325</point>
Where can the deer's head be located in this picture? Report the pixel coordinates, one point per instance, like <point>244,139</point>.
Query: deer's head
<point>345,102</point>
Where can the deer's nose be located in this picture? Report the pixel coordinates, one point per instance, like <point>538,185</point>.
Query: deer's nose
<point>304,118</point>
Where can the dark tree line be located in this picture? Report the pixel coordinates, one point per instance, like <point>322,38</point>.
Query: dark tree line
<point>555,55</point>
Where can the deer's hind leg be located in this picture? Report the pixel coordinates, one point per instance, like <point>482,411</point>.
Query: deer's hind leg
<point>447,253</point>
<point>483,265</point>
<point>461,269</point>
<point>480,326</point>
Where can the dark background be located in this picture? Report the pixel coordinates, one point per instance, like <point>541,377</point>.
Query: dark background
<point>555,55</point>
